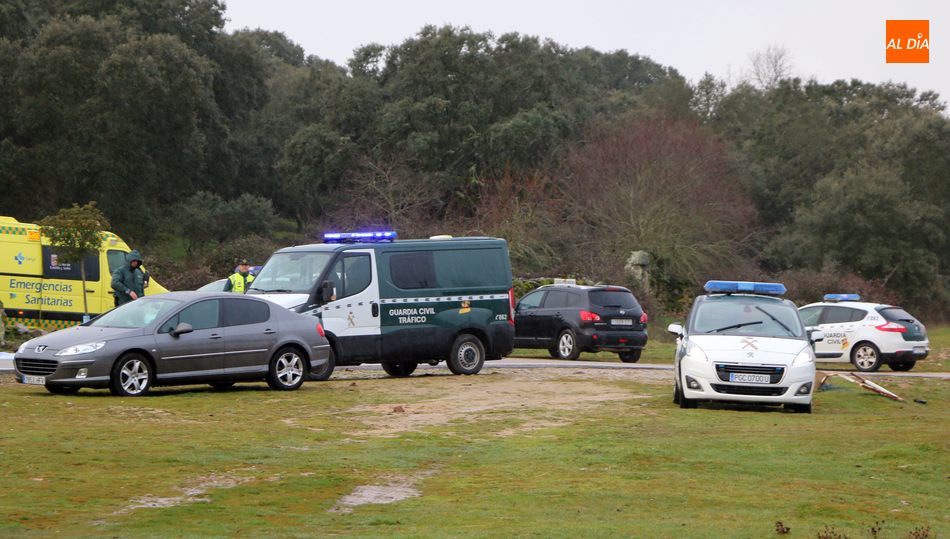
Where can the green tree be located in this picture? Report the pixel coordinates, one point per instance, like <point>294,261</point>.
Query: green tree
<point>75,233</point>
<point>314,162</point>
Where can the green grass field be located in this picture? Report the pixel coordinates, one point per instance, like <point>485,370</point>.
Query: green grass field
<point>505,453</point>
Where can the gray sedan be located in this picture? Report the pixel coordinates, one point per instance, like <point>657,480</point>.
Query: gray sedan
<point>178,338</point>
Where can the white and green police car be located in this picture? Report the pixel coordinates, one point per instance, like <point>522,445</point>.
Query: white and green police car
<point>743,343</point>
<point>866,334</point>
<point>399,302</point>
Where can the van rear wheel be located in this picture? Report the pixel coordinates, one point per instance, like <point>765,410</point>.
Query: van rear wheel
<point>467,355</point>
<point>401,369</point>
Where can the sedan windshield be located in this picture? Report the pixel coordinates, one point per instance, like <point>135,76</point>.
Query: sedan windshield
<point>746,315</point>
<point>290,273</point>
<point>136,314</point>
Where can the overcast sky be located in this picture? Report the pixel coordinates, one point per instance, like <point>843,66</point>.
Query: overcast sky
<point>826,39</point>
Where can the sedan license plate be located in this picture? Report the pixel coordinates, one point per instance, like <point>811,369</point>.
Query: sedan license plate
<point>35,380</point>
<point>920,349</point>
<point>742,377</point>
<point>621,322</point>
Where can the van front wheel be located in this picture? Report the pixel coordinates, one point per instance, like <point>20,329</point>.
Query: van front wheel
<point>467,355</point>
<point>401,369</point>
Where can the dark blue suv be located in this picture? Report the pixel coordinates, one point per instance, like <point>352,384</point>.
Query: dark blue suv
<point>570,319</point>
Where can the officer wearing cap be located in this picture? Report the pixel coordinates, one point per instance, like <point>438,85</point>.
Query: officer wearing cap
<point>239,281</point>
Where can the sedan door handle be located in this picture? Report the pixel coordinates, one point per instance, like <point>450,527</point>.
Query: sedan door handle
<point>215,336</point>
<point>269,331</point>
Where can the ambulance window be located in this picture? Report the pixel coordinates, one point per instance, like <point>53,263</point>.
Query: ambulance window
<point>810,315</point>
<point>413,270</point>
<point>556,299</point>
<point>837,315</point>
<point>351,275</point>
<point>116,259</point>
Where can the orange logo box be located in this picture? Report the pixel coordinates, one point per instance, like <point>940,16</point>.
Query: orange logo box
<point>907,42</point>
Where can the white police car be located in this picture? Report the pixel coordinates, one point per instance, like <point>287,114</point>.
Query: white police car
<point>866,334</point>
<point>742,343</point>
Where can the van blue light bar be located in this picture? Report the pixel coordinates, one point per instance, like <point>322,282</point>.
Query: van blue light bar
<point>842,297</point>
<point>359,237</point>
<point>740,287</point>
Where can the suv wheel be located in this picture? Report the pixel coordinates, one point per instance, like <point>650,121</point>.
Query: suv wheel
<point>903,365</point>
<point>400,370</point>
<point>467,355</point>
<point>866,357</point>
<point>131,376</point>
<point>631,356</point>
<point>287,369</point>
<point>567,345</point>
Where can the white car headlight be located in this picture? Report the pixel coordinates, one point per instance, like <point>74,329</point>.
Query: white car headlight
<point>693,351</point>
<point>804,357</point>
<point>81,349</point>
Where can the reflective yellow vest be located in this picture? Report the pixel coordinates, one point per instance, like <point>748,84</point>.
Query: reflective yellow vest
<point>238,282</point>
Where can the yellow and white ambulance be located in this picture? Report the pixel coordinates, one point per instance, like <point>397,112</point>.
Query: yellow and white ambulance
<point>39,290</point>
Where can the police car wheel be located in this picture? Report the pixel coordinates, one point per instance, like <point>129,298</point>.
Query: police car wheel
<point>467,355</point>
<point>131,376</point>
<point>62,390</point>
<point>401,369</point>
<point>287,368</point>
<point>324,372</point>
<point>567,345</point>
<point>902,365</point>
<point>631,356</point>
<point>866,357</point>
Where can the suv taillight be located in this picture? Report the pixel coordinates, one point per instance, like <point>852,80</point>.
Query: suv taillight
<point>511,306</point>
<point>644,318</point>
<point>587,316</point>
<point>893,327</point>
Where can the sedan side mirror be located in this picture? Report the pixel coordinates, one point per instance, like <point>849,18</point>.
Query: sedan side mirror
<point>816,336</point>
<point>675,329</point>
<point>182,328</point>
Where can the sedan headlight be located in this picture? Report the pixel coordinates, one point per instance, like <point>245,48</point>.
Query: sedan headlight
<point>695,352</point>
<point>81,349</point>
<point>804,357</point>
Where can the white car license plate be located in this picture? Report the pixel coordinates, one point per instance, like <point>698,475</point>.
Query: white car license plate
<point>920,349</point>
<point>749,378</point>
<point>622,322</point>
<point>35,380</point>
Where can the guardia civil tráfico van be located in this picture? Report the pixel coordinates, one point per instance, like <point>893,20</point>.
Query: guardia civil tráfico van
<point>743,342</point>
<point>400,302</point>
<point>38,289</point>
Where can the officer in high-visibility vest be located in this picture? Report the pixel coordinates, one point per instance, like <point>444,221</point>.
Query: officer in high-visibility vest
<point>239,281</point>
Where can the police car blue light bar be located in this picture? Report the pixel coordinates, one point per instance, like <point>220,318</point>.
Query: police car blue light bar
<point>744,287</point>
<point>359,237</point>
<point>842,297</point>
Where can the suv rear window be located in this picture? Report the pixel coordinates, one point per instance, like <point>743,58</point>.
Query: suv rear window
<point>894,314</point>
<point>613,298</point>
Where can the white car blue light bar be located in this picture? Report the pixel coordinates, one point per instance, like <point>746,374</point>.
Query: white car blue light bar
<point>744,287</point>
<point>359,237</point>
<point>842,297</point>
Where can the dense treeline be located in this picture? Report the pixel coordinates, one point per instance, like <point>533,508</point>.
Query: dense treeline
<point>203,145</point>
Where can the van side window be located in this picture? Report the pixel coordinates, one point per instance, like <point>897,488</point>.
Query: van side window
<point>351,275</point>
<point>54,267</point>
<point>464,268</point>
<point>413,270</point>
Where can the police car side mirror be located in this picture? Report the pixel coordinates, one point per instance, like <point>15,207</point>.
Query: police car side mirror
<point>816,336</point>
<point>182,328</point>
<point>675,329</point>
<point>325,293</point>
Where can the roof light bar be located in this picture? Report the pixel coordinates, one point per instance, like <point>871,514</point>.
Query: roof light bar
<point>360,237</point>
<point>842,297</point>
<point>745,287</point>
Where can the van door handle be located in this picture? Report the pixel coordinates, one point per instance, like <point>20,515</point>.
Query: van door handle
<point>90,291</point>
<point>215,336</point>
<point>375,308</point>
<point>269,331</point>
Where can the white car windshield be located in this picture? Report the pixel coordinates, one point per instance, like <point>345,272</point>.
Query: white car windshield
<point>136,314</point>
<point>746,315</point>
<point>290,273</point>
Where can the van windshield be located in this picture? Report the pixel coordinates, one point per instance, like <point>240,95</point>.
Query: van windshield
<point>136,314</point>
<point>746,315</point>
<point>290,273</point>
